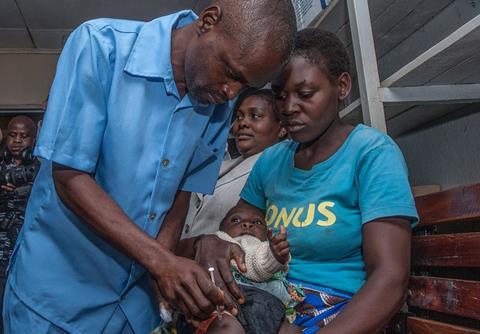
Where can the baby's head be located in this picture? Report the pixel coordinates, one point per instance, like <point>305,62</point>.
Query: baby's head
<point>244,219</point>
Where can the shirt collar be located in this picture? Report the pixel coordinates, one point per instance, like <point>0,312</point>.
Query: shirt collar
<point>150,55</point>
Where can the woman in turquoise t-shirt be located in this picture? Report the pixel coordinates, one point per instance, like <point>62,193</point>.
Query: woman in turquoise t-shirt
<point>341,192</point>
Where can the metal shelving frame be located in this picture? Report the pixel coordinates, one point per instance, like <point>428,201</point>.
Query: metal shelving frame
<point>397,88</point>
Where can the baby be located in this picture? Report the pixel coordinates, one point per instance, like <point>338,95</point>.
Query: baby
<point>267,293</point>
<point>269,297</point>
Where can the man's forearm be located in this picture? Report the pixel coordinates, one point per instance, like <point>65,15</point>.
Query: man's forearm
<point>81,194</point>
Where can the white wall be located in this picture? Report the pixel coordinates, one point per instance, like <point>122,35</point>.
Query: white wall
<point>25,77</point>
<point>447,154</point>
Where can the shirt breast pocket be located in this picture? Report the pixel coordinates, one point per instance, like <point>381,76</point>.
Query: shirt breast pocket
<point>203,156</point>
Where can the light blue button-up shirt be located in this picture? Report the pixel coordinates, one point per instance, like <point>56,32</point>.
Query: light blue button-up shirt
<point>114,111</point>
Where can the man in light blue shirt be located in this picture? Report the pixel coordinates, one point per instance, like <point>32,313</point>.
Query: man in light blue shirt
<point>137,119</point>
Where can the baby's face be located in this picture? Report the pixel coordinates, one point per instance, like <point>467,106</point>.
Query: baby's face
<point>245,221</point>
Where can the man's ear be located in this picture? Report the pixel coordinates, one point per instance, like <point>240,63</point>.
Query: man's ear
<point>344,85</point>
<point>209,18</point>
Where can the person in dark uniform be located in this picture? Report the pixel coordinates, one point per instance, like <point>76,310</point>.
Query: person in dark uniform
<point>17,171</point>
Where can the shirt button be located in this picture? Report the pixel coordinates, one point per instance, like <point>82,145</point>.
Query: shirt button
<point>165,162</point>
<point>152,216</point>
<point>187,228</point>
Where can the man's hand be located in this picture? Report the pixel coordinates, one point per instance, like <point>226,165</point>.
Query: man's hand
<point>8,187</point>
<point>182,282</point>
<point>279,245</point>
<point>186,286</point>
<point>211,251</point>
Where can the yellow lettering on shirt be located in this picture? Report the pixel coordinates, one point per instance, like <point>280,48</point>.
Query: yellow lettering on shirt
<point>308,219</point>
<point>275,216</point>
<point>271,214</point>
<point>284,217</point>
<point>331,218</point>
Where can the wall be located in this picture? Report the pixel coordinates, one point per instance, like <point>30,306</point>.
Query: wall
<point>25,78</point>
<point>447,154</point>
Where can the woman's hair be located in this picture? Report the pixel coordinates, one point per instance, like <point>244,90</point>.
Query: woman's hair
<point>265,94</point>
<point>324,49</point>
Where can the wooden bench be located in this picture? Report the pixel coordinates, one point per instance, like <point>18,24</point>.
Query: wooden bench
<point>444,288</point>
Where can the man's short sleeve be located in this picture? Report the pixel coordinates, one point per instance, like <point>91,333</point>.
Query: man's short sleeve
<point>384,190</point>
<point>203,169</point>
<point>76,115</point>
<point>253,191</point>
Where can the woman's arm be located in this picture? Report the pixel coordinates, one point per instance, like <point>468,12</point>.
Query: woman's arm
<point>386,251</point>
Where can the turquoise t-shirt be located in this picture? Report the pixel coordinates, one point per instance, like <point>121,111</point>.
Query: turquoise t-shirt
<point>324,208</point>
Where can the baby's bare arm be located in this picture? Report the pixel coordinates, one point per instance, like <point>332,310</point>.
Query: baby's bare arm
<point>280,246</point>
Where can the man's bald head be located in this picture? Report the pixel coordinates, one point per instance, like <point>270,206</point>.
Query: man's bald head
<point>235,44</point>
<point>20,136</point>
<point>254,24</point>
<point>25,122</point>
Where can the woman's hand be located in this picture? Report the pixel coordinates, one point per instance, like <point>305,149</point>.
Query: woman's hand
<point>279,245</point>
<point>211,251</point>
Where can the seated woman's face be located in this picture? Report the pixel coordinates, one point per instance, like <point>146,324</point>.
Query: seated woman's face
<point>255,126</point>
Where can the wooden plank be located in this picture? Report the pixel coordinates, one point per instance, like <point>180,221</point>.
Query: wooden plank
<point>461,73</point>
<point>355,117</point>
<point>458,204</point>
<point>416,16</point>
<point>417,116</point>
<point>392,17</point>
<point>447,250</point>
<point>345,35</point>
<point>378,7</point>
<point>451,296</point>
<point>472,76</point>
<point>435,30</point>
<point>333,17</point>
<point>393,110</point>
<point>459,52</point>
<point>422,326</point>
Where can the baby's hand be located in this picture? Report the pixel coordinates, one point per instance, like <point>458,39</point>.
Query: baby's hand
<point>279,245</point>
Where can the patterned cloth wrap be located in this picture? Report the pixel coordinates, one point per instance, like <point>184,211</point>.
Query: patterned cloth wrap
<point>289,293</point>
<point>320,307</point>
